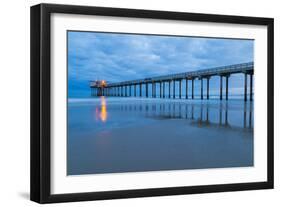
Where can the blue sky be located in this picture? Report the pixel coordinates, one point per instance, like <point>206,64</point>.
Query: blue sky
<point>118,57</point>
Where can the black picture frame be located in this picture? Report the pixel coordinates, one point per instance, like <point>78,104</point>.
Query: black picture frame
<point>41,98</point>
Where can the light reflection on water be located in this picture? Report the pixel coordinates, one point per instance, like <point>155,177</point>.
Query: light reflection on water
<point>101,112</point>
<point>205,113</point>
<point>135,134</point>
<point>198,112</point>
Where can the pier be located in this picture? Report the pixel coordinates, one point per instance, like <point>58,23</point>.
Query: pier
<point>130,88</point>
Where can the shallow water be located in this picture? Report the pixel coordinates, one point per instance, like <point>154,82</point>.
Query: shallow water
<point>113,135</point>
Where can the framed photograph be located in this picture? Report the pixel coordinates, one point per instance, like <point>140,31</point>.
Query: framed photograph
<point>133,103</point>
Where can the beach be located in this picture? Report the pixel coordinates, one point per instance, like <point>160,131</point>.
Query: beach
<point>119,135</point>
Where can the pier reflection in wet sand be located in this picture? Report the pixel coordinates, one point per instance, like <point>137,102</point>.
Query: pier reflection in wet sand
<point>113,135</point>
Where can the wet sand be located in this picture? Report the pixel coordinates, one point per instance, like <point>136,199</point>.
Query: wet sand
<point>133,135</point>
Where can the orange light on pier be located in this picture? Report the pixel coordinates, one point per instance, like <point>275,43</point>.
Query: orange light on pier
<point>103,83</point>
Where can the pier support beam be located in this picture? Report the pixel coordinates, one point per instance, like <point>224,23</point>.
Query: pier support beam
<point>201,88</point>
<point>135,91</point>
<point>161,92</point>
<point>192,88</point>
<point>245,87</point>
<point>140,90</point>
<point>226,87</point>
<point>174,89</point>
<point>251,87</point>
<point>186,88</point>
<point>146,90</point>
<point>155,85</point>
<point>169,89</point>
<point>208,87</point>
<point>221,87</point>
<point>126,89</point>
<point>180,89</point>
<point>163,89</point>
<point>155,91</point>
<point>130,90</point>
<point>152,90</point>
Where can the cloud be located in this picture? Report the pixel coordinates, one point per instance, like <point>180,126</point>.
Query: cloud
<point>119,57</point>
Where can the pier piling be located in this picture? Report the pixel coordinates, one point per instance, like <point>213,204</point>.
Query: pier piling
<point>186,88</point>
<point>208,87</point>
<point>245,87</point>
<point>180,89</point>
<point>192,92</point>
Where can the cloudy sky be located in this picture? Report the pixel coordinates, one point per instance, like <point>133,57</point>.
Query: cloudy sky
<point>120,57</point>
